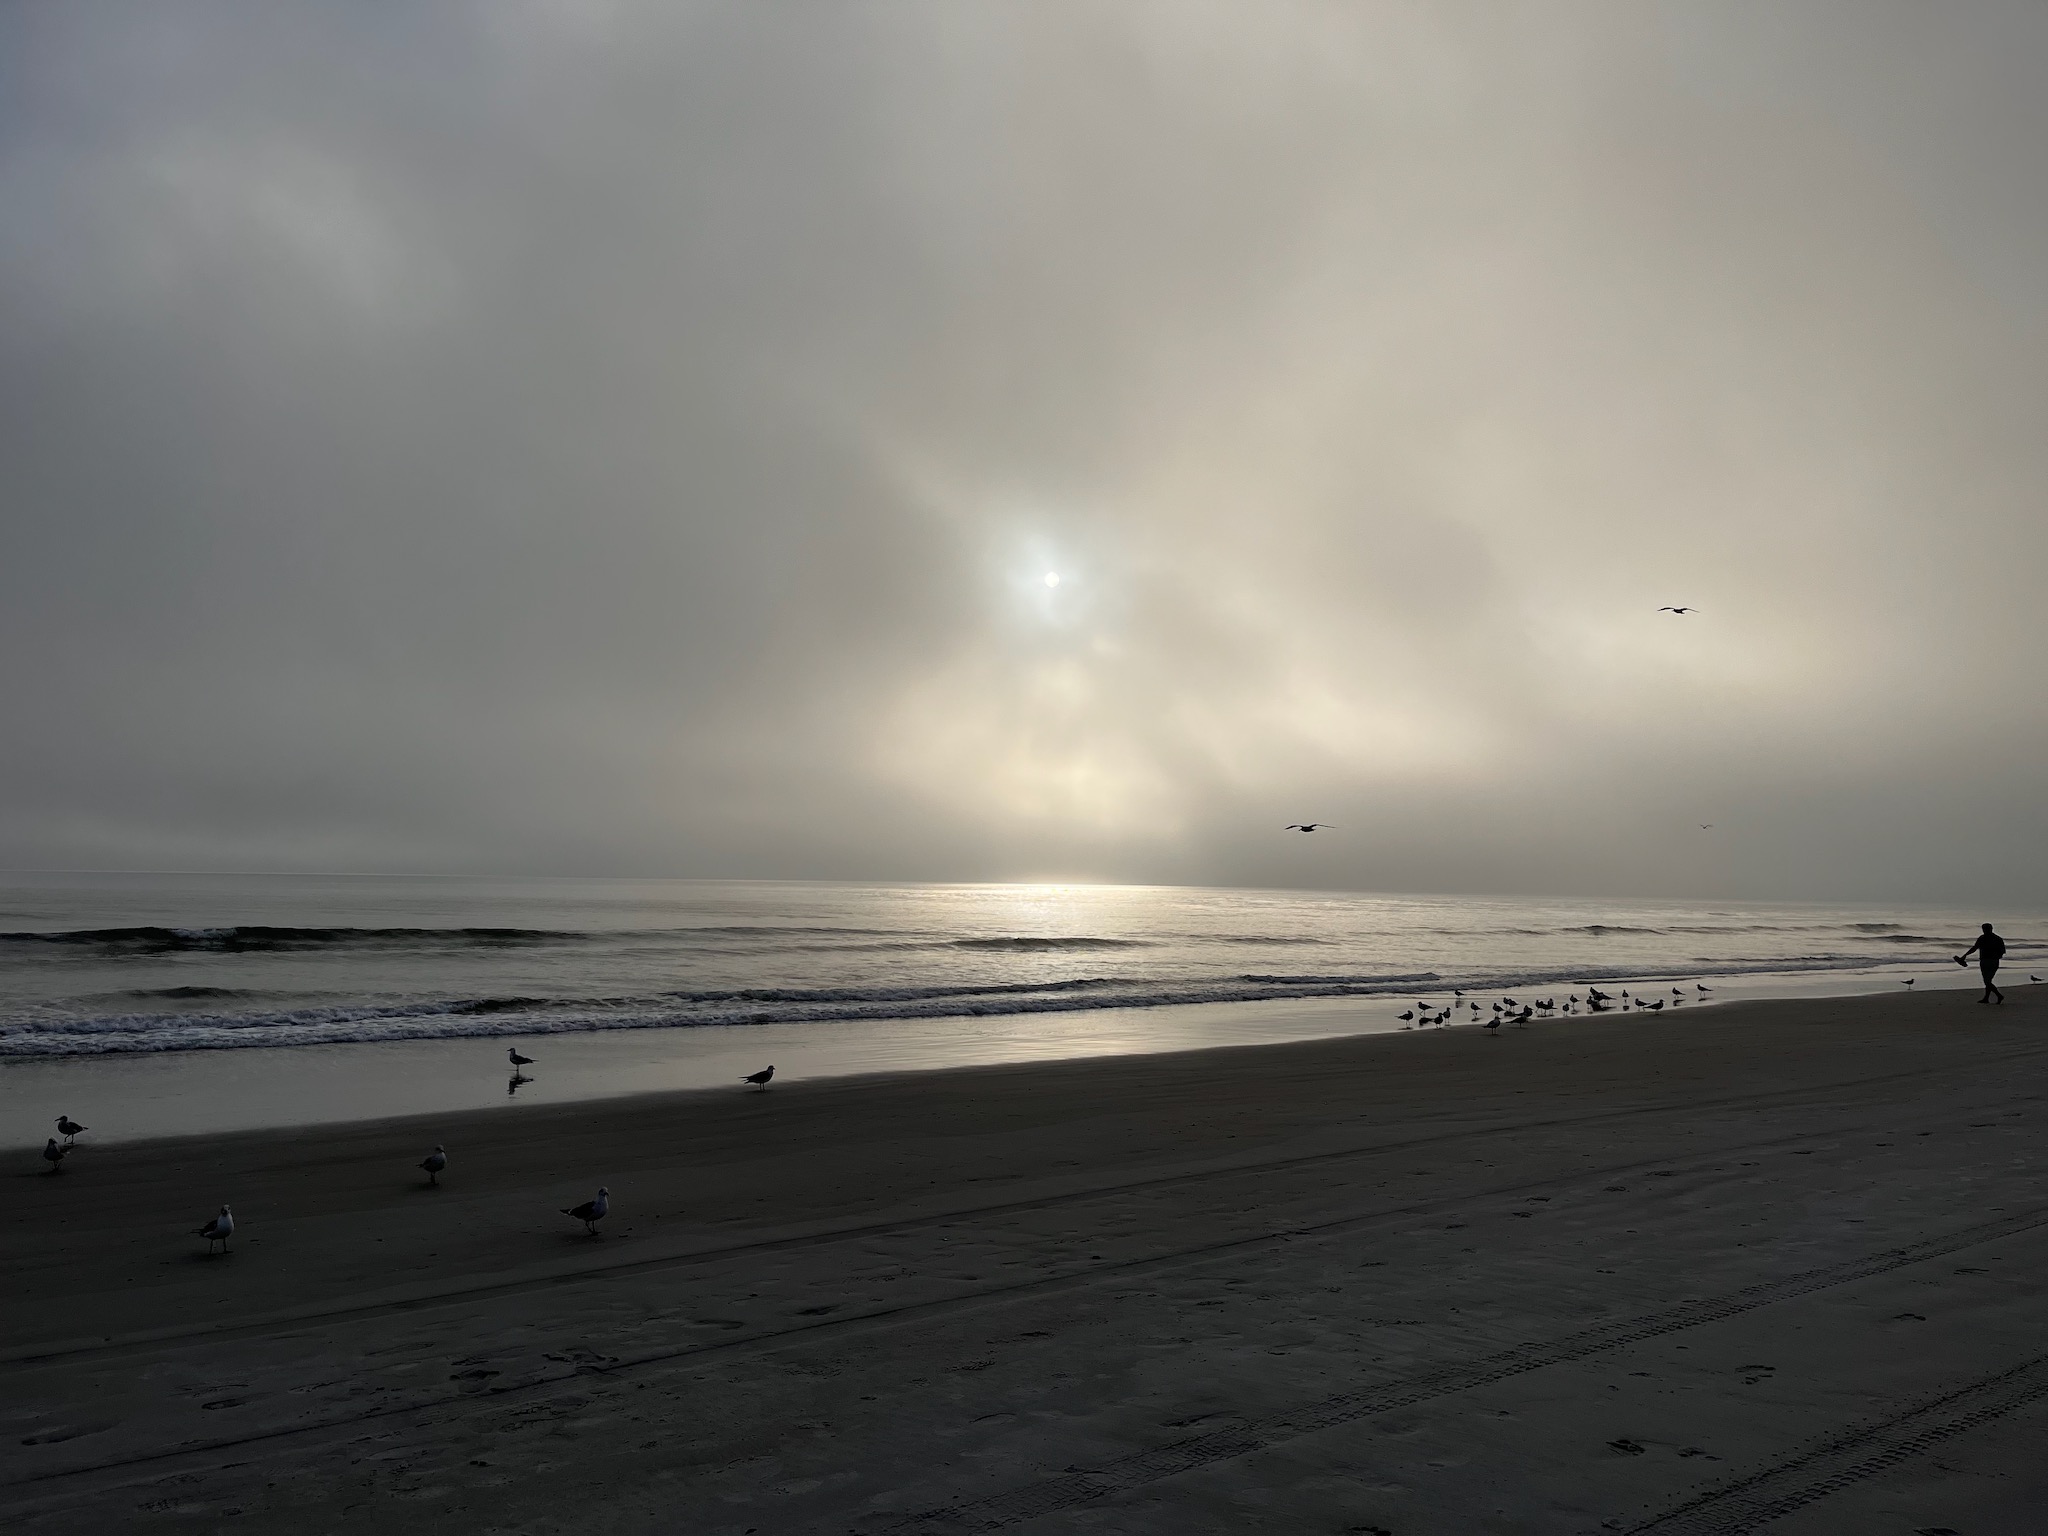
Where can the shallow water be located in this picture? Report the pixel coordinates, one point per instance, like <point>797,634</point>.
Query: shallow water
<point>117,965</point>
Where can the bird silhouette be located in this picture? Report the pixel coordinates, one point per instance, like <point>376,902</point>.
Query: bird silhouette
<point>1677,610</point>
<point>68,1127</point>
<point>517,1060</point>
<point>1306,826</point>
<point>1701,986</point>
<point>436,1160</point>
<point>218,1230</point>
<point>1909,981</point>
<point>1492,1026</point>
<point>760,1079</point>
<point>590,1212</point>
<point>54,1155</point>
<point>1405,1014</point>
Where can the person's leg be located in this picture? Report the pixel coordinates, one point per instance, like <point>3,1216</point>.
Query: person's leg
<point>1990,969</point>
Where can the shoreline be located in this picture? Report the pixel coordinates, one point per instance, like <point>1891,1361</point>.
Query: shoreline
<point>1345,1271</point>
<point>131,1096</point>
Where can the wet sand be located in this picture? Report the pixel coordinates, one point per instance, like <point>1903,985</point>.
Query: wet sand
<point>1770,1266</point>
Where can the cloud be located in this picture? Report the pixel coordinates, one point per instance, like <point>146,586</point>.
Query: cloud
<point>632,438</point>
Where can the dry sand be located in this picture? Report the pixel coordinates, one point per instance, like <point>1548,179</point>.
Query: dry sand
<point>1775,1266</point>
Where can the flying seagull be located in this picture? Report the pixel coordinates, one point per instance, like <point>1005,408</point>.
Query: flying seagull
<point>68,1127</point>
<point>1306,826</point>
<point>218,1230</point>
<point>1706,826</point>
<point>1678,610</point>
<point>54,1155</point>
<point>590,1212</point>
<point>517,1059</point>
<point>760,1079</point>
<point>436,1160</point>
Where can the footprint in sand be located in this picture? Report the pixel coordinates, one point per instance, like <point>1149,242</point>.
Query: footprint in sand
<point>1626,1446</point>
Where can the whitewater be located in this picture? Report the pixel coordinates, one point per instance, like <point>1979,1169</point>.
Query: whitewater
<point>104,964</point>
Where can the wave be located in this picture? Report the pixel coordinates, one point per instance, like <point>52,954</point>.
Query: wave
<point>242,938</point>
<point>1028,943</point>
<point>185,994</point>
<point>518,1014</point>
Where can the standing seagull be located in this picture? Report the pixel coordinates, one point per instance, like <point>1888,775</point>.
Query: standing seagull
<point>54,1155</point>
<point>590,1212</point>
<point>1306,826</point>
<point>760,1079</point>
<point>68,1127</point>
<point>517,1059</point>
<point>218,1230</point>
<point>436,1161</point>
<point>1909,981</point>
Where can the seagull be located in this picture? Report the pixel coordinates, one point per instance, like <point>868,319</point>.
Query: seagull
<point>435,1162</point>
<point>54,1155</point>
<point>517,1059</point>
<point>760,1079</point>
<point>1491,1025</point>
<point>1706,826</point>
<point>1677,610</point>
<point>68,1126</point>
<point>1909,981</point>
<point>1701,986</point>
<point>1306,826</point>
<point>2032,977</point>
<point>590,1212</point>
<point>218,1230</point>
<point>1405,1014</point>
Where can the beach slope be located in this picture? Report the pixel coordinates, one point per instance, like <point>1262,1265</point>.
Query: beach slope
<point>1775,1265</point>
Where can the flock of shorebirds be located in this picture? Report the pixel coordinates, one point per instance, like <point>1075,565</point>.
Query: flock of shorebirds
<point>220,1228</point>
<point>1509,1011</point>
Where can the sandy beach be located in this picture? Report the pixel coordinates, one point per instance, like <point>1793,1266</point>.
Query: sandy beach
<point>1774,1265</point>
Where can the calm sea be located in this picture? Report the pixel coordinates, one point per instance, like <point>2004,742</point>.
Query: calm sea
<point>115,964</point>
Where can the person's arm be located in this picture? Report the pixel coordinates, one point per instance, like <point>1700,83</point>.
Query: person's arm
<point>1970,951</point>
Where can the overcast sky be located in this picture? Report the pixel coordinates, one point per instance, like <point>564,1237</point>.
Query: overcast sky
<point>558,437</point>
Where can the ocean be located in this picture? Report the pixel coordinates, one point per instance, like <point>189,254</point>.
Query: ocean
<point>99,965</point>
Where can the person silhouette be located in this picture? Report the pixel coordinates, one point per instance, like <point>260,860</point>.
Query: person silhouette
<point>1989,950</point>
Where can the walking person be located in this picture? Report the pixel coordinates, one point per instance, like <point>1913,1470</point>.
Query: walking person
<point>1989,950</point>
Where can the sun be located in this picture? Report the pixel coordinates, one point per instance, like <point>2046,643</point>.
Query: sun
<point>1052,578</point>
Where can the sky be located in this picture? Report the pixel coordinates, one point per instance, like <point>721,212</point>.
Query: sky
<point>592,437</point>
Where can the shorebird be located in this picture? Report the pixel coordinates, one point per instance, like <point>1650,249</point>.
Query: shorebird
<point>517,1059</point>
<point>54,1155</point>
<point>1600,997</point>
<point>1405,1015</point>
<point>1491,1025</point>
<point>760,1079</point>
<point>2032,977</point>
<point>590,1212</point>
<point>68,1127</point>
<point>436,1160</point>
<point>1701,986</point>
<point>1306,826</point>
<point>218,1230</point>
<point>1677,610</point>
<point>1909,981</point>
